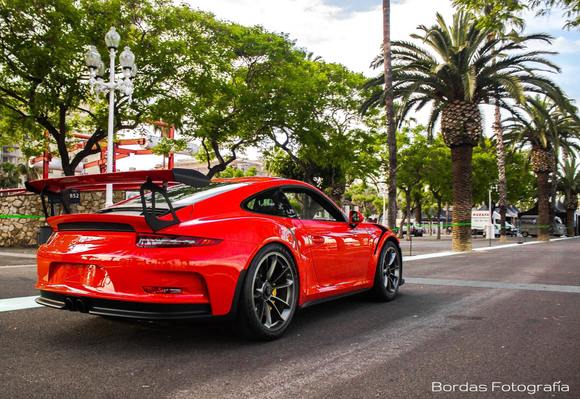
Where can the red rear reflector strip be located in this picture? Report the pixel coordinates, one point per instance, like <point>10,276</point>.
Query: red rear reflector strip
<point>162,290</point>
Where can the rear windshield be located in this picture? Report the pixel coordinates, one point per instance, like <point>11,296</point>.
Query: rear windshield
<point>180,196</point>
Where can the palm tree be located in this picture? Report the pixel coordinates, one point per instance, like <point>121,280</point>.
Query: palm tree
<point>455,72</point>
<point>569,185</point>
<point>391,129</point>
<point>545,128</point>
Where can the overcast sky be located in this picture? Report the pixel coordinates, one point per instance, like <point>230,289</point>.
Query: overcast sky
<point>350,32</point>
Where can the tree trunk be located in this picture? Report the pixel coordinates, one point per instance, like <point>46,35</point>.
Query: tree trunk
<point>438,219</point>
<point>543,206</point>
<point>391,136</point>
<point>408,216</point>
<point>502,181</point>
<point>446,215</point>
<point>570,213</point>
<point>461,158</point>
<point>418,211</point>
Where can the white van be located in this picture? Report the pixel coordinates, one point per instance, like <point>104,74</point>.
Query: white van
<point>529,226</point>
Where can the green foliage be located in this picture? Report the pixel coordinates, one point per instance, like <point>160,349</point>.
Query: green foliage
<point>437,171</point>
<point>484,174</point>
<point>463,62</point>
<point>521,182</point>
<point>366,197</point>
<point>542,123</point>
<point>568,181</point>
<point>495,13</point>
<point>323,139</point>
<point>231,171</point>
<point>166,146</point>
<point>12,175</point>
<point>412,157</point>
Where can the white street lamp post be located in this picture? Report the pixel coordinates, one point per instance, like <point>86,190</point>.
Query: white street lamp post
<point>122,83</point>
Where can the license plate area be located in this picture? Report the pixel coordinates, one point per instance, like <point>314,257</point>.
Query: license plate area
<point>80,275</point>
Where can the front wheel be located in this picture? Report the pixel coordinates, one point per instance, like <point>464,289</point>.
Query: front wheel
<point>269,295</point>
<point>388,273</point>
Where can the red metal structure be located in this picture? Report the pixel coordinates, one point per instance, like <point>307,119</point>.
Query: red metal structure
<point>165,129</point>
<point>254,249</point>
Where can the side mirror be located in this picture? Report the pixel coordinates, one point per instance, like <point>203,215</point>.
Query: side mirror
<point>354,218</point>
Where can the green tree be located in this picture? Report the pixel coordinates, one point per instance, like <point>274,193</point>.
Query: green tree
<point>520,180</point>
<point>569,185</point>
<point>455,72</point>
<point>437,175</point>
<point>484,173</point>
<point>232,171</point>
<point>249,95</point>
<point>11,175</point>
<point>543,127</point>
<point>413,153</point>
<point>366,197</point>
<point>510,10</point>
<point>324,140</point>
<point>182,56</point>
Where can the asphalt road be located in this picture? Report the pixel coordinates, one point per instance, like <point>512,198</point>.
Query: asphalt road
<point>430,244</point>
<point>452,328</point>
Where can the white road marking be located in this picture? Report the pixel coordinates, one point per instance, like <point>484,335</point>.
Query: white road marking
<point>494,284</point>
<point>451,253</point>
<point>25,302</point>
<point>431,255</point>
<point>17,266</point>
<point>18,255</point>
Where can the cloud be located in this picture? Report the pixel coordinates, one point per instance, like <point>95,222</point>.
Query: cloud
<point>335,33</point>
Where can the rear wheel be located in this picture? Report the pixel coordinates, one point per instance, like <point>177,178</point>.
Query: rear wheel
<point>388,273</point>
<point>269,294</point>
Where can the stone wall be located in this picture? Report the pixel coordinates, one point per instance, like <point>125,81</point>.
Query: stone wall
<point>21,215</point>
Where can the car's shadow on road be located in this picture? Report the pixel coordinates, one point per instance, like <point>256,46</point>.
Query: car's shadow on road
<point>323,324</point>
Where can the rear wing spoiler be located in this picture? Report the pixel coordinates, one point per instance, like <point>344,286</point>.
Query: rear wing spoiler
<point>59,190</point>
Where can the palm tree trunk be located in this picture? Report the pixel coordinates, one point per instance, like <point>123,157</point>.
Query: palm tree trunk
<point>543,206</point>
<point>461,158</point>
<point>502,181</point>
<point>391,136</point>
<point>570,221</point>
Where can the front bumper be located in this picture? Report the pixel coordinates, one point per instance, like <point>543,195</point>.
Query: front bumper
<point>125,309</point>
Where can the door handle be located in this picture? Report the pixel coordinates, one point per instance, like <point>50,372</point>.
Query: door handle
<point>317,240</point>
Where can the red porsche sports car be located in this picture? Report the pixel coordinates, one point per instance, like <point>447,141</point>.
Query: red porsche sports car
<point>251,249</point>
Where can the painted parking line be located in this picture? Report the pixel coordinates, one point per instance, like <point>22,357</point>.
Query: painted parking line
<point>431,255</point>
<point>25,302</point>
<point>451,253</point>
<point>18,255</point>
<point>17,266</point>
<point>494,284</point>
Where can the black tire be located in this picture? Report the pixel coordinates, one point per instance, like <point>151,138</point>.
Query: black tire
<point>525,234</point>
<point>389,273</point>
<point>268,303</point>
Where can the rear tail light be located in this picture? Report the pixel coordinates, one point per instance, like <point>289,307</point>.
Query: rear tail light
<point>163,241</point>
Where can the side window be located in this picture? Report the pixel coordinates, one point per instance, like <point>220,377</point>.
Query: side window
<point>309,206</point>
<point>271,202</point>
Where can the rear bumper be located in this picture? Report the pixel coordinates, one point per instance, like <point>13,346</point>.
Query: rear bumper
<point>125,309</point>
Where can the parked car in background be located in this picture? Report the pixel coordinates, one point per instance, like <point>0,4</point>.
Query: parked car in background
<point>416,230</point>
<point>529,226</point>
